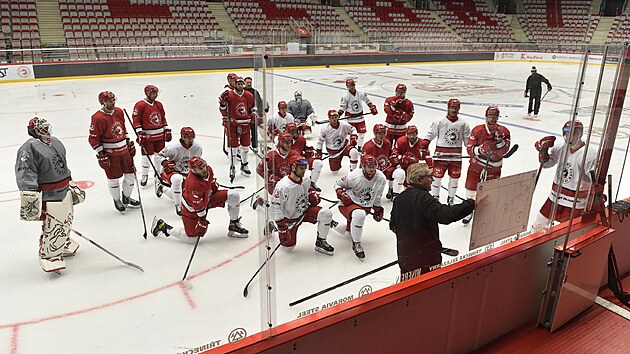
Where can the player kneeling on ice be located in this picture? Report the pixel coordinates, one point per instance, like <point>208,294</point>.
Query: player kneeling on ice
<point>174,162</point>
<point>359,192</point>
<point>407,150</point>
<point>278,161</point>
<point>201,192</point>
<point>47,193</point>
<point>336,135</point>
<point>486,146</point>
<point>293,202</point>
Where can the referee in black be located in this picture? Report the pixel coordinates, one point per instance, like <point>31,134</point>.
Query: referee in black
<point>533,89</point>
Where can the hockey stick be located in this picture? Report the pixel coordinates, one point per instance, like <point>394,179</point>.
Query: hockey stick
<point>135,177</point>
<point>255,152</point>
<point>245,291</point>
<point>133,265</point>
<point>343,118</point>
<point>231,187</point>
<point>543,97</point>
<point>343,283</point>
<point>223,146</point>
<point>143,149</point>
<point>229,138</point>
<point>456,196</point>
<point>185,281</point>
<point>456,158</point>
<point>251,195</point>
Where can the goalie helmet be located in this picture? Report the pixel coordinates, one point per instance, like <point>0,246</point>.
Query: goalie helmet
<point>297,95</point>
<point>453,102</point>
<point>196,162</point>
<point>150,88</point>
<point>39,128</point>
<point>104,96</point>
<point>187,132</point>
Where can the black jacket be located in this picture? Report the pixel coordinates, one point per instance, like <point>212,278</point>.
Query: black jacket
<point>534,82</point>
<point>414,218</point>
<point>259,103</point>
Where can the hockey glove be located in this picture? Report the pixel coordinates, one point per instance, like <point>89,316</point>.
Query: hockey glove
<point>103,160</point>
<point>487,147</point>
<point>394,160</point>
<point>313,198</point>
<point>373,109</point>
<point>201,227</point>
<point>168,136</point>
<point>424,144</point>
<point>318,154</point>
<point>142,138</point>
<point>353,139</point>
<point>224,122</point>
<point>378,213</point>
<point>224,97</point>
<point>545,143</point>
<point>525,94</point>
<point>168,166</point>
<point>340,113</point>
<point>343,197</point>
<point>132,148</point>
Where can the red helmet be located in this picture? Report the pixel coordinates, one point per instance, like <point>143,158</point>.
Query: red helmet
<point>332,111</point>
<point>567,127</point>
<point>232,76</point>
<point>196,162</point>
<point>492,110</point>
<point>39,127</point>
<point>290,127</point>
<point>401,87</point>
<point>150,88</point>
<point>104,96</point>
<point>453,102</point>
<point>368,160</point>
<point>349,82</point>
<point>187,132</point>
<point>412,129</point>
<point>239,79</point>
<point>284,136</point>
<point>298,161</point>
<point>282,104</point>
<point>379,128</point>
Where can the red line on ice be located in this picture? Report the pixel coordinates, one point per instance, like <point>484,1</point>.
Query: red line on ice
<point>187,295</point>
<point>14,335</point>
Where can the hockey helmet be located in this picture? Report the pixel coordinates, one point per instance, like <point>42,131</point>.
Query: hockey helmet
<point>453,102</point>
<point>104,96</point>
<point>284,137</point>
<point>567,127</point>
<point>297,95</point>
<point>350,82</point>
<point>232,77</point>
<point>239,79</point>
<point>368,160</point>
<point>282,105</point>
<point>492,110</point>
<point>298,161</point>
<point>291,127</point>
<point>196,162</point>
<point>401,89</point>
<point>39,128</point>
<point>187,132</point>
<point>150,88</point>
<point>412,129</point>
<point>332,112</point>
<point>379,128</point>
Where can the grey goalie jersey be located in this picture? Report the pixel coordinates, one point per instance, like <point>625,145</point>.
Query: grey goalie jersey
<point>300,110</point>
<point>43,167</point>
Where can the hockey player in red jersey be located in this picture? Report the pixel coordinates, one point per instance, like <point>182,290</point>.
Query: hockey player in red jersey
<point>399,111</point>
<point>294,202</point>
<point>352,105</point>
<point>149,122</point>
<point>360,194</point>
<point>201,192</point>
<point>407,151</point>
<point>340,139</point>
<point>278,161</point>
<point>451,134</point>
<point>380,147</point>
<point>238,109</point>
<point>114,151</point>
<point>311,155</point>
<point>486,146</point>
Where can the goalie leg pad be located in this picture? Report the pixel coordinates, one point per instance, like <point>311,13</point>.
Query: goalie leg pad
<point>54,234</point>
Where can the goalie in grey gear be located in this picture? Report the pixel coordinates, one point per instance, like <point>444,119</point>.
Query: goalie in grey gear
<point>46,187</point>
<point>302,111</point>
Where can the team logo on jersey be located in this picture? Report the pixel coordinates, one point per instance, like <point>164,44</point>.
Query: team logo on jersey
<point>355,105</point>
<point>450,136</point>
<point>59,164</point>
<point>284,170</point>
<point>301,204</point>
<point>155,119</point>
<point>91,127</point>
<point>338,141</point>
<point>567,173</point>
<point>117,130</point>
<point>366,195</point>
<point>241,110</point>
<point>24,156</point>
<point>183,163</point>
<point>382,162</point>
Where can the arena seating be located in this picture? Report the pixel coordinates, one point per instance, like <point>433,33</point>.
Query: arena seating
<point>393,22</point>
<point>620,30</point>
<point>473,21</point>
<point>20,29</point>
<point>263,21</point>
<point>558,22</point>
<point>166,25</point>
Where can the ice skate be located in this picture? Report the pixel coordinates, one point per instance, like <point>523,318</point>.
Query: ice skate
<point>322,246</point>
<point>70,248</point>
<point>159,226</point>
<point>390,194</point>
<point>358,250</point>
<point>236,230</point>
<point>119,206</point>
<point>53,264</point>
<point>436,197</point>
<point>450,201</point>
<point>158,188</point>
<point>178,210</point>
<point>144,180</point>
<point>130,202</point>
<point>245,169</point>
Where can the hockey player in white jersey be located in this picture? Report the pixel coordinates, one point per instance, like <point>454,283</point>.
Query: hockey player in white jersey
<point>294,202</point>
<point>278,122</point>
<point>353,108</point>
<point>304,114</point>
<point>565,183</point>
<point>360,192</point>
<point>452,134</point>
<point>174,162</point>
<point>340,139</point>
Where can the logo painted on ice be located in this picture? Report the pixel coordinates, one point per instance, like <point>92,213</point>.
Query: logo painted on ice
<point>237,335</point>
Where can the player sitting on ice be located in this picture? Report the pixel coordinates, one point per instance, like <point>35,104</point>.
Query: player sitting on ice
<point>407,151</point>
<point>294,202</point>
<point>114,151</point>
<point>351,104</point>
<point>278,161</point>
<point>399,112</point>
<point>315,163</point>
<point>360,192</point>
<point>47,193</point>
<point>174,162</point>
<point>149,122</point>
<point>486,146</point>
<point>238,111</point>
<point>451,133</point>
<point>380,147</point>
<point>304,113</point>
<point>277,123</point>
<point>341,140</point>
<point>201,192</point>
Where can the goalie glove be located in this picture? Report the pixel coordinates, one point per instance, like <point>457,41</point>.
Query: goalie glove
<point>31,205</point>
<point>78,195</point>
<point>313,119</point>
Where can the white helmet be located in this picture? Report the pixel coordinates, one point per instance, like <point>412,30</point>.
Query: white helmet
<point>298,95</point>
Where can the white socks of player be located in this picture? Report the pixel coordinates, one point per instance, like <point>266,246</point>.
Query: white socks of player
<point>452,187</point>
<point>354,158</point>
<point>317,170</point>
<point>114,188</point>
<point>324,218</point>
<point>233,204</point>
<point>360,140</point>
<point>356,225</point>
<point>175,190</point>
<point>146,164</point>
<point>128,183</point>
<point>399,179</point>
<point>435,187</point>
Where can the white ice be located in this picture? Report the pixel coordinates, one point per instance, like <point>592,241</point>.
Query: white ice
<point>101,306</point>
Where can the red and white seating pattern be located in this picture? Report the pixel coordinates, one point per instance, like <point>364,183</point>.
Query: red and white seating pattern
<point>473,21</point>
<point>19,22</point>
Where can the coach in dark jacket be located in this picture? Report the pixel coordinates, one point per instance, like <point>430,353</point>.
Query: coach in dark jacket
<point>415,217</point>
<point>259,107</point>
<point>533,89</point>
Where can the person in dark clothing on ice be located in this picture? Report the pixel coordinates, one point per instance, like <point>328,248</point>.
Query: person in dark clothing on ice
<point>533,90</point>
<point>414,219</point>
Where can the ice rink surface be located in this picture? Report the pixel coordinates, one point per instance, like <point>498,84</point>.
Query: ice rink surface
<point>99,305</point>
